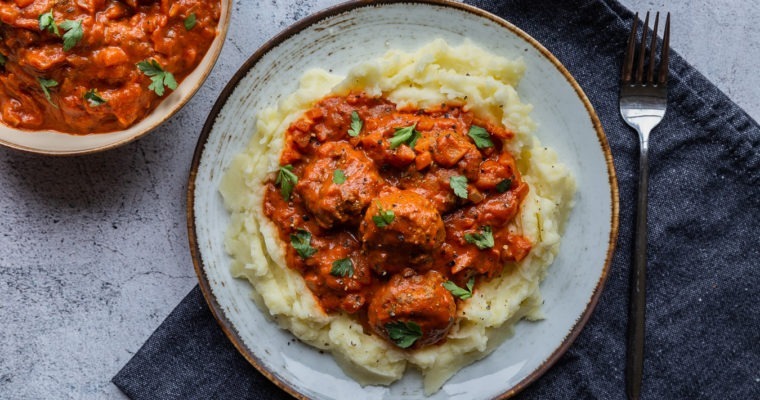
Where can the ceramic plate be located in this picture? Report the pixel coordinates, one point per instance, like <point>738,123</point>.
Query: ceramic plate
<point>333,40</point>
<point>57,143</point>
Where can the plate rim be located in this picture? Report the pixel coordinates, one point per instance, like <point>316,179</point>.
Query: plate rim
<point>300,25</point>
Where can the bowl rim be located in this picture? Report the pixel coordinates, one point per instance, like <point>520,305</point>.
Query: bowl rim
<point>300,25</point>
<point>223,27</point>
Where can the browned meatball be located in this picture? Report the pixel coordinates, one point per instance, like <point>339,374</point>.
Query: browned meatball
<point>408,299</point>
<point>337,289</point>
<point>399,229</point>
<point>342,202</point>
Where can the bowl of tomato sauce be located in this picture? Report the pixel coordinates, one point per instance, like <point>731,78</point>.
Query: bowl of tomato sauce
<point>84,76</point>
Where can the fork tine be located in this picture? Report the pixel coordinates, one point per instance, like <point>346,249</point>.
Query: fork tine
<point>653,50</point>
<point>628,59</point>
<point>663,74</point>
<point>642,50</point>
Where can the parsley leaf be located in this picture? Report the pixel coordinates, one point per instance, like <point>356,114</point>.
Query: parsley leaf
<point>2,60</point>
<point>407,135</point>
<point>483,239</point>
<point>480,136</point>
<point>94,98</point>
<point>459,185</point>
<point>46,84</point>
<point>356,124</point>
<point>404,334</point>
<point>383,217</point>
<point>190,21</point>
<point>463,294</point>
<point>73,33</point>
<point>504,185</point>
<point>301,241</point>
<point>287,180</point>
<point>343,267</point>
<point>339,176</point>
<point>47,23</point>
<point>159,77</point>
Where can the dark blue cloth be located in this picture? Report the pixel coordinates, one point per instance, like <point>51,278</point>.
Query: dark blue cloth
<point>703,321</point>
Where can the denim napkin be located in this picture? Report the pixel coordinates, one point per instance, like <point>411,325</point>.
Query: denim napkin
<point>703,323</point>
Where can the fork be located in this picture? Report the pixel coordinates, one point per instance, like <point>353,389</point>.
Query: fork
<point>643,101</point>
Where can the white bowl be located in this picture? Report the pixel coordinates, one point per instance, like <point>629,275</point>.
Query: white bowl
<point>57,143</point>
<point>335,39</point>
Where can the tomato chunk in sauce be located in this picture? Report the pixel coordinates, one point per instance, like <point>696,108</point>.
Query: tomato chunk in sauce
<point>71,66</point>
<point>396,203</point>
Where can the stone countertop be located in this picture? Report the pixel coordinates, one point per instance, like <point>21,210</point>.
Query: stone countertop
<point>93,250</point>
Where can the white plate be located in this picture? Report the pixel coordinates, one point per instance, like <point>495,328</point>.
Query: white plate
<point>334,39</point>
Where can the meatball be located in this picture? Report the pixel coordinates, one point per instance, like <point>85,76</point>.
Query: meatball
<point>400,229</point>
<point>344,290</point>
<point>410,298</point>
<point>338,184</point>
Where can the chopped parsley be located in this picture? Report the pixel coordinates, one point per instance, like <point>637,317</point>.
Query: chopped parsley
<point>504,185</point>
<point>2,60</point>
<point>73,33</point>
<point>287,180</point>
<point>301,241</point>
<point>480,136</point>
<point>356,125</point>
<point>343,267</point>
<point>383,218</point>
<point>158,76</point>
<point>190,21</point>
<point>46,84</point>
<point>459,185</point>
<point>339,176</point>
<point>94,98</point>
<point>404,334</point>
<point>463,294</point>
<point>47,23</point>
<point>482,239</point>
<point>407,135</point>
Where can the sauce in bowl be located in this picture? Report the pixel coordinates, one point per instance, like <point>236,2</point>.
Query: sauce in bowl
<point>91,66</point>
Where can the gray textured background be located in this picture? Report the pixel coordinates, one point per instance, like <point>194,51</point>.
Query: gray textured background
<point>93,250</point>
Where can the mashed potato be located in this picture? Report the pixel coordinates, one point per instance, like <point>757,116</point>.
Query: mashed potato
<point>434,74</point>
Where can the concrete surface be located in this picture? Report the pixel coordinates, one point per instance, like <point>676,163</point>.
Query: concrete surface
<point>93,250</point>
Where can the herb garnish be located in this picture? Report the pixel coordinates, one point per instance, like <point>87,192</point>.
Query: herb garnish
<point>159,77</point>
<point>94,98</point>
<point>459,185</point>
<point>2,60</point>
<point>339,176</point>
<point>504,185</point>
<point>356,124</point>
<point>383,218</point>
<point>480,136</point>
<point>407,135</point>
<point>46,84</point>
<point>190,21</point>
<point>47,23</point>
<point>73,33</point>
<point>404,334</point>
<point>301,241</point>
<point>286,179</point>
<point>343,267</point>
<point>463,294</point>
<point>483,239</point>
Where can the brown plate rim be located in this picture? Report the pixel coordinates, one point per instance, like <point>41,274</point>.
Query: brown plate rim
<point>221,35</point>
<point>296,28</point>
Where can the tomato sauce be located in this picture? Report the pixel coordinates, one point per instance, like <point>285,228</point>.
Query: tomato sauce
<point>434,233</point>
<point>45,85</point>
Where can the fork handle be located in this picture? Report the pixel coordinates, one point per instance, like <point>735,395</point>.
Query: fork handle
<point>636,313</point>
